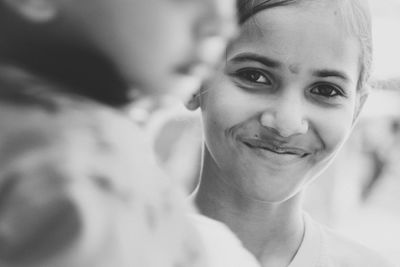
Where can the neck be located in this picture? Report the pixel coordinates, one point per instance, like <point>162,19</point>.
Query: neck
<point>271,231</point>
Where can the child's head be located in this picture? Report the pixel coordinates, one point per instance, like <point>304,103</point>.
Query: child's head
<point>288,96</point>
<point>78,187</point>
<point>105,48</point>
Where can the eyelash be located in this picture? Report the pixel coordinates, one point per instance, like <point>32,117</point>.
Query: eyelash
<point>338,92</point>
<point>245,76</point>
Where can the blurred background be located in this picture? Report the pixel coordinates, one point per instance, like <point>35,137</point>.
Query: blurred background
<point>359,195</point>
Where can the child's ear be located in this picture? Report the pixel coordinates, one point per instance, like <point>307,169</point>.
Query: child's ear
<point>34,10</point>
<point>194,102</point>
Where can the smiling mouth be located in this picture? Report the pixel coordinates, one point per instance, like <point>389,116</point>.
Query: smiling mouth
<point>275,148</point>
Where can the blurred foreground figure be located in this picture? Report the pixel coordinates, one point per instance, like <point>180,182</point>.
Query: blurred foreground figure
<point>79,185</point>
<point>74,192</point>
<point>117,51</point>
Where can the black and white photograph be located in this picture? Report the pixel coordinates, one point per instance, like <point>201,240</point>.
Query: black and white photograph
<point>199,133</point>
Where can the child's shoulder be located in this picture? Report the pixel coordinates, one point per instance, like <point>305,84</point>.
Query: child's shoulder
<point>339,251</point>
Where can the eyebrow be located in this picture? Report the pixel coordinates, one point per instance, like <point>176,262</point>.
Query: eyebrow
<point>244,57</point>
<point>331,73</point>
<point>323,73</point>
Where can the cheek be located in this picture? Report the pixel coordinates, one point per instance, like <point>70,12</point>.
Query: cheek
<point>220,113</point>
<point>335,128</point>
<point>215,123</point>
<point>225,102</point>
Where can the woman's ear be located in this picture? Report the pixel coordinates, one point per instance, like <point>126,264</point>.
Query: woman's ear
<point>194,102</point>
<point>37,11</point>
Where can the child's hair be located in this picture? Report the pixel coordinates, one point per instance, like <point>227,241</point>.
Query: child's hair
<point>49,51</point>
<point>354,13</point>
<point>25,91</point>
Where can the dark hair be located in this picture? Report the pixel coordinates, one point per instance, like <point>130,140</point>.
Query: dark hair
<point>22,90</point>
<point>80,71</point>
<point>248,8</point>
<point>49,51</point>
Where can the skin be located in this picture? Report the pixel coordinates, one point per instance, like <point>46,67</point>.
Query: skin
<point>155,46</point>
<point>271,126</point>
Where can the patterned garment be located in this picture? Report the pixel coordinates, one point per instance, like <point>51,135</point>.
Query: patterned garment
<point>79,188</point>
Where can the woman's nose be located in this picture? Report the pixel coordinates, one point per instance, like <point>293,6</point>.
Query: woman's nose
<point>286,116</point>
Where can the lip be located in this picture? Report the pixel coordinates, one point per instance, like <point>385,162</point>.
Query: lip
<point>275,147</point>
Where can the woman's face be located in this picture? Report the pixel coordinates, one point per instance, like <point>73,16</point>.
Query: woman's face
<point>284,103</point>
<point>158,45</point>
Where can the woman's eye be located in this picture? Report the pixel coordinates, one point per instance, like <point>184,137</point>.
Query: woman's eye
<point>326,90</point>
<point>254,76</point>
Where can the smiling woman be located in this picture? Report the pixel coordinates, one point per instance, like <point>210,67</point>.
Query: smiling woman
<point>275,116</point>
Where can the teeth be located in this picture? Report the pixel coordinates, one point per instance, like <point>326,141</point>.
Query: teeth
<point>279,150</point>
<point>274,149</point>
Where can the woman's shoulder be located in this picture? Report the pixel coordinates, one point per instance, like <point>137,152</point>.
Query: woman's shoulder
<point>223,248</point>
<point>339,250</point>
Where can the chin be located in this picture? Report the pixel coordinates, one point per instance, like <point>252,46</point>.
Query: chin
<point>264,189</point>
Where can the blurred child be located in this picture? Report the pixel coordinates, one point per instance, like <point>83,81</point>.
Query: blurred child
<point>74,192</point>
<point>116,51</point>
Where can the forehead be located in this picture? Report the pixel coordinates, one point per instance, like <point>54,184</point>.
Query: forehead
<point>300,35</point>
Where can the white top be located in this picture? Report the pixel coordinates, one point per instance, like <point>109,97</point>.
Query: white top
<point>222,247</point>
<point>322,247</point>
